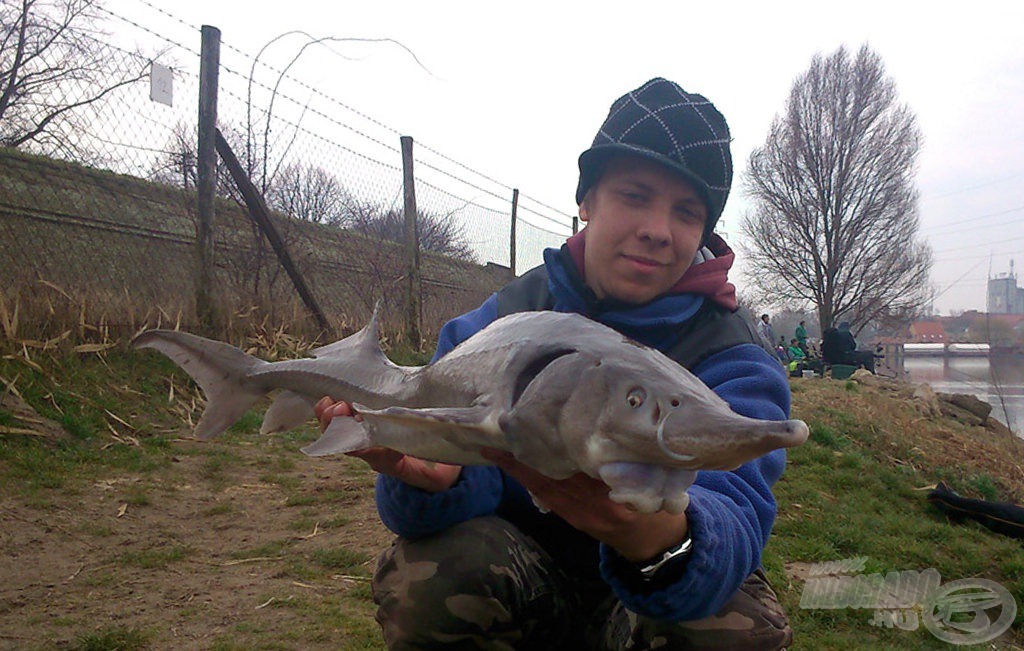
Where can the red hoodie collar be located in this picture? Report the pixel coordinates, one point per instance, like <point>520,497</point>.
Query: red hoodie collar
<point>709,278</point>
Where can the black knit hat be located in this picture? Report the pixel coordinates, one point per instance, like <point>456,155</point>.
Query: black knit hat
<point>662,122</point>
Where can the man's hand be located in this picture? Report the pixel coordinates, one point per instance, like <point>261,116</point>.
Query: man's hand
<point>432,477</point>
<point>583,502</point>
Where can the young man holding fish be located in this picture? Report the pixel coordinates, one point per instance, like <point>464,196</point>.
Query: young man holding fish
<point>477,563</point>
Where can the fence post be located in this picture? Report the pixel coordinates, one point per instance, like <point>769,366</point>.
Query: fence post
<point>412,246</point>
<point>512,243</point>
<point>575,224</point>
<point>206,172</point>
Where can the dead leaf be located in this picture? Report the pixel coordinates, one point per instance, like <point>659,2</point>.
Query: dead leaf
<point>316,531</point>
<point>21,431</point>
<point>118,419</point>
<point>122,510</point>
<point>93,348</point>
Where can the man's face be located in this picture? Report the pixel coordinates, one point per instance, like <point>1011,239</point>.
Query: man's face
<point>644,226</point>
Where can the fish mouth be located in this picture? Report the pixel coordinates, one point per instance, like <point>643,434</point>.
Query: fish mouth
<point>676,456</point>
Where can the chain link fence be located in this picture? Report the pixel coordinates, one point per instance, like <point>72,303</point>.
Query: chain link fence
<point>98,218</point>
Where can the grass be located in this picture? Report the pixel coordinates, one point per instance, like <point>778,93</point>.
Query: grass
<point>114,639</point>
<point>150,559</point>
<point>340,559</point>
<point>851,492</point>
<point>855,489</point>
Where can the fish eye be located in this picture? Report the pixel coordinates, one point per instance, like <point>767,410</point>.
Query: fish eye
<point>636,397</point>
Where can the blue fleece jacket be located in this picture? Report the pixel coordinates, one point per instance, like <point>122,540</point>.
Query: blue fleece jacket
<point>730,513</point>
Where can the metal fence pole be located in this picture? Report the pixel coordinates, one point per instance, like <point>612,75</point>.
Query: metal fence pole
<point>206,173</point>
<point>412,246</point>
<point>512,243</point>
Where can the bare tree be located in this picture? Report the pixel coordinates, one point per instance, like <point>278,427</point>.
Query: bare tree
<point>177,164</point>
<point>309,193</point>
<point>835,219</point>
<point>52,70</point>
<point>993,331</point>
<point>439,234</point>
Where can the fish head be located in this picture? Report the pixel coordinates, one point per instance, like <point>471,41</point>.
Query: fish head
<point>651,410</point>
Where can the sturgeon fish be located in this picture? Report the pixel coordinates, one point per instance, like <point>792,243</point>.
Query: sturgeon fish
<point>562,393</point>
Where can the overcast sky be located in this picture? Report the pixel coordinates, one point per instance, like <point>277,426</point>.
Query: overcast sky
<point>517,90</point>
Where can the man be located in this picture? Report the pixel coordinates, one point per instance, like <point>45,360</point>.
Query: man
<point>801,337</point>
<point>838,346</point>
<point>796,353</point>
<point>477,564</point>
<point>767,335</point>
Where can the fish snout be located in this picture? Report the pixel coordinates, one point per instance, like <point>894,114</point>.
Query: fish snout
<point>724,444</point>
<point>793,433</point>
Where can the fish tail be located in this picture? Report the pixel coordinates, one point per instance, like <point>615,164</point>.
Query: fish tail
<point>220,370</point>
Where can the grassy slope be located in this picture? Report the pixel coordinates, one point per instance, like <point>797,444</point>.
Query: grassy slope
<point>855,489</point>
<point>852,491</point>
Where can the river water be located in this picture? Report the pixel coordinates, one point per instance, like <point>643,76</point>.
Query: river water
<point>998,381</point>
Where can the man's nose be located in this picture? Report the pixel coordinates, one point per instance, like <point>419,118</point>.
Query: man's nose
<point>656,226</point>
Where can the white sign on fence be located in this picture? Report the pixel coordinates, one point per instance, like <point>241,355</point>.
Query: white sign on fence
<point>161,84</point>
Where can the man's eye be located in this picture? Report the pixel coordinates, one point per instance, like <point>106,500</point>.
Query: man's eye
<point>687,216</point>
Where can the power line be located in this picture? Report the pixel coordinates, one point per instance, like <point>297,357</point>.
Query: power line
<point>976,256</point>
<point>979,218</point>
<point>972,187</point>
<point>953,284</point>
<point>975,246</point>
<point>958,282</point>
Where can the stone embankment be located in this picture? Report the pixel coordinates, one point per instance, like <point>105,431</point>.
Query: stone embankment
<point>963,407</point>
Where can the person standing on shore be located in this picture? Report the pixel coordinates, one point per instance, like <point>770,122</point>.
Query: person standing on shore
<point>767,336</point>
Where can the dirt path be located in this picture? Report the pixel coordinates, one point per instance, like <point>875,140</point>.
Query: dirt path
<point>228,546</point>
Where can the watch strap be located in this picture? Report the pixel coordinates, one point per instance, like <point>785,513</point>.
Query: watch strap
<point>648,569</point>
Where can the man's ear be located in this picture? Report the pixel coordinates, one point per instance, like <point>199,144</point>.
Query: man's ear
<point>584,210</point>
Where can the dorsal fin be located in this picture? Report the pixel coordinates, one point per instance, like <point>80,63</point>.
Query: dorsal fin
<point>368,337</point>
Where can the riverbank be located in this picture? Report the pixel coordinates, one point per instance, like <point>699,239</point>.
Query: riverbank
<point>998,380</point>
<point>951,436</point>
<point>857,490</point>
<point>120,532</point>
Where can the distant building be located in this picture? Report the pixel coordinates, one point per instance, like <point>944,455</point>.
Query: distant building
<point>1004,296</point>
<point>927,332</point>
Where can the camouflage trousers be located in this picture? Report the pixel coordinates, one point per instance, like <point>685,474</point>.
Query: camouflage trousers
<point>483,584</point>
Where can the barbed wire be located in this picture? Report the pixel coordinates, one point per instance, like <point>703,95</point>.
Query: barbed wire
<point>115,223</point>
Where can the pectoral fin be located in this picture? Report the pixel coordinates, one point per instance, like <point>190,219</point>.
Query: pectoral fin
<point>465,428</point>
<point>478,419</point>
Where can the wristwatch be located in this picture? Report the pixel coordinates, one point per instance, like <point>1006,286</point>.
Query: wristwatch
<point>671,557</point>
